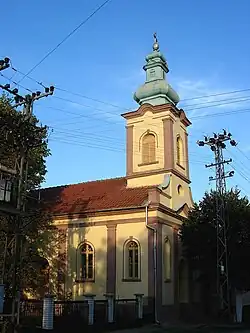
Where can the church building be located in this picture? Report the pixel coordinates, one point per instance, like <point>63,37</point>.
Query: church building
<point>121,234</point>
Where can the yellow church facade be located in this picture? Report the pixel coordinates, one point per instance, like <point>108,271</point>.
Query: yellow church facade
<point>121,234</point>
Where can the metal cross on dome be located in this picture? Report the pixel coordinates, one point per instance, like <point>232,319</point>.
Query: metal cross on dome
<point>156,44</point>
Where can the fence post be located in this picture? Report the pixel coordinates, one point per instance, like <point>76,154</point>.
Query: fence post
<point>139,302</point>
<point>18,306</point>
<point>1,297</point>
<point>239,305</point>
<point>91,307</point>
<point>48,312</point>
<point>110,300</point>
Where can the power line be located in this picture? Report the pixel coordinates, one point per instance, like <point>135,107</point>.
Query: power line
<point>215,101</point>
<point>243,153</point>
<point>129,109</point>
<point>220,104</point>
<point>113,114</point>
<point>105,112</point>
<point>215,95</point>
<point>93,99</point>
<point>102,139</point>
<point>112,149</point>
<point>9,79</point>
<point>65,38</point>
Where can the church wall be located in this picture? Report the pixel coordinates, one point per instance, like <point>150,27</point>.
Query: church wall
<point>168,286</point>
<point>100,219</point>
<point>179,130</point>
<point>165,199</point>
<point>149,180</point>
<point>180,195</point>
<point>97,236</point>
<point>138,232</point>
<point>98,230</point>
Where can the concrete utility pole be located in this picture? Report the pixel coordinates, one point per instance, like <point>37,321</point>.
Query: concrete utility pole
<point>22,174</point>
<point>217,144</point>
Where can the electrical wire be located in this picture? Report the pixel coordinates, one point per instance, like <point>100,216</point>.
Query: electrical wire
<point>64,39</point>
<point>112,149</point>
<point>9,79</point>
<point>129,109</point>
<point>237,99</point>
<point>216,95</point>
<point>110,140</point>
<point>243,153</point>
<point>105,112</point>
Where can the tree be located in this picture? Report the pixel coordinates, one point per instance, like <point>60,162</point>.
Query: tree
<point>198,235</point>
<point>39,238</point>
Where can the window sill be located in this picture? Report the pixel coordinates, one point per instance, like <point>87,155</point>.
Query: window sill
<point>84,280</point>
<point>179,165</point>
<point>148,163</point>
<point>131,280</point>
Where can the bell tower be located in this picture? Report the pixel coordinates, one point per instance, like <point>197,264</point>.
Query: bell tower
<point>157,139</point>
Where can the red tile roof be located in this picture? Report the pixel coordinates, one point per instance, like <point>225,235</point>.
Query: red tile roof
<point>93,196</point>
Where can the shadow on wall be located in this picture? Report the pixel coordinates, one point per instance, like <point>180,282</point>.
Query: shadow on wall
<point>44,250</point>
<point>67,278</point>
<point>121,279</point>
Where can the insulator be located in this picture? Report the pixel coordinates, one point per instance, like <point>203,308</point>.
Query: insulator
<point>6,60</point>
<point>233,143</point>
<point>46,90</point>
<point>15,91</point>
<point>38,93</point>
<point>51,88</point>
<point>223,146</point>
<point>7,86</point>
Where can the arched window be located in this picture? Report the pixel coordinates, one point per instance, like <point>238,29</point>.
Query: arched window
<point>148,148</point>
<point>87,262</point>
<point>132,260</point>
<point>179,150</point>
<point>167,259</point>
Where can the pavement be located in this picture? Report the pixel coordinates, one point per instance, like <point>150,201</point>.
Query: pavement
<point>165,328</point>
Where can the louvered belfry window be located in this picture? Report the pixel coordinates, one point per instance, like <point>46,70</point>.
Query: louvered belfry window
<point>148,148</point>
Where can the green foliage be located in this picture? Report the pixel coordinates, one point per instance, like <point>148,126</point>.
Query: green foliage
<point>18,135</point>
<point>199,238</point>
<point>22,136</point>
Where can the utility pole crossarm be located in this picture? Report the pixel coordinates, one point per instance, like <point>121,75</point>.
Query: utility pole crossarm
<point>215,164</point>
<point>217,144</point>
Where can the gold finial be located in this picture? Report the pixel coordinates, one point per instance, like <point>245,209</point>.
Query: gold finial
<point>156,46</point>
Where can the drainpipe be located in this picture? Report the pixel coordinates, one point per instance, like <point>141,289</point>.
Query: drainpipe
<point>155,263</point>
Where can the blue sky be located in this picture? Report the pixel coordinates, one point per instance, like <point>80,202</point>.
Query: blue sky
<point>206,44</point>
